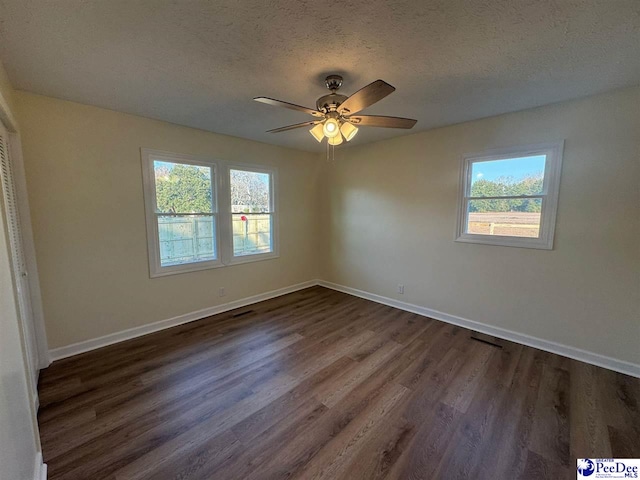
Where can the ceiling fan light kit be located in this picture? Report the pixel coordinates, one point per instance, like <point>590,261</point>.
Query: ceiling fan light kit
<point>318,132</point>
<point>335,112</point>
<point>331,128</point>
<point>333,141</point>
<point>348,131</point>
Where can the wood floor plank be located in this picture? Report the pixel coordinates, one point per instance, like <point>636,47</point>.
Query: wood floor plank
<point>438,424</point>
<point>481,418</point>
<point>349,382</point>
<point>435,424</point>
<point>384,446</point>
<point>550,435</point>
<point>460,392</point>
<point>276,412</point>
<point>539,467</point>
<point>258,451</point>
<point>321,384</point>
<point>589,434</point>
<point>335,457</point>
<point>193,455</point>
<point>505,449</point>
<point>199,423</point>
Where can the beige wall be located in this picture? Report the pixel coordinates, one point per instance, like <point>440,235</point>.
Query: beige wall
<point>391,219</point>
<point>85,189</point>
<point>19,442</point>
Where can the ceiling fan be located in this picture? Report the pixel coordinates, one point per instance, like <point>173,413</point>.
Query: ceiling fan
<point>336,114</point>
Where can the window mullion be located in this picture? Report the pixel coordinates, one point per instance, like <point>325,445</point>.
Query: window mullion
<point>173,214</point>
<point>506,197</point>
<point>224,212</point>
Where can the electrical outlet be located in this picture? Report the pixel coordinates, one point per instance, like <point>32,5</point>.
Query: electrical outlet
<point>400,288</point>
<point>221,292</point>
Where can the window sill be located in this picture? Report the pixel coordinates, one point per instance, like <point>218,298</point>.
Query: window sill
<point>519,242</point>
<point>194,267</point>
<point>185,268</point>
<point>258,257</point>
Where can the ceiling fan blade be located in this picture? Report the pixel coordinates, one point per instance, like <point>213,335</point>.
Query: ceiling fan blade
<point>291,127</point>
<point>365,97</point>
<point>379,121</point>
<point>280,103</point>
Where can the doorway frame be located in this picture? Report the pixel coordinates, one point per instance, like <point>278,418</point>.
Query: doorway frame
<point>28,247</point>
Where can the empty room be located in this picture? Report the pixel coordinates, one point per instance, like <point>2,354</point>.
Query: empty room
<point>261,240</point>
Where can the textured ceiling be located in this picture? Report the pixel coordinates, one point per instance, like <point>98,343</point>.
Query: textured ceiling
<point>200,63</point>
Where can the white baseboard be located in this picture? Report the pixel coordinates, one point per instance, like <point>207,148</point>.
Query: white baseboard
<point>45,360</point>
<point>40,468</point>
<point>616,365</point>
<point>81,347</point>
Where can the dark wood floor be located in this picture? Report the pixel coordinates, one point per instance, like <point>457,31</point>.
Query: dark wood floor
<point>318,384</point>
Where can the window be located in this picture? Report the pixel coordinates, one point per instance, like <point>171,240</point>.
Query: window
<point>180,198</point>
<point>510,196</point>
<point>251,212</point>
<point>190,201</point>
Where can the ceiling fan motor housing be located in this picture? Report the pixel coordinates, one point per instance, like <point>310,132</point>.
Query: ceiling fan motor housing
<point>330,103</point>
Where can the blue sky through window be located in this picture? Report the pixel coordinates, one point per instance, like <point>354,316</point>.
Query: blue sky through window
<point>167,165</point>
<point>516,168</point>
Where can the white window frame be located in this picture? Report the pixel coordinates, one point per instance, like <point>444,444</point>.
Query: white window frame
<point>230,258</point>
<point>221,195</point>
<point>549,195</point>
<point>153,238</point>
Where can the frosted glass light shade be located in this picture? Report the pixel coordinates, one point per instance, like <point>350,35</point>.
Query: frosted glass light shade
<point>348,130</point>
<point>331,128</point>
<point>337,140</point>
<point>317,132</point>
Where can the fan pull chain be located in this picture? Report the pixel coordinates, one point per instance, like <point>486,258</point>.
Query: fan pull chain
<point>331,152</point>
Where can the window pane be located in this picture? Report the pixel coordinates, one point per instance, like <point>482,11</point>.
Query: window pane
<point>250,192</point>
<point>182,188</point>
<point>186,239</point>
<point>251,234</point>
<point>509,177</point>
<point>510,218</point>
